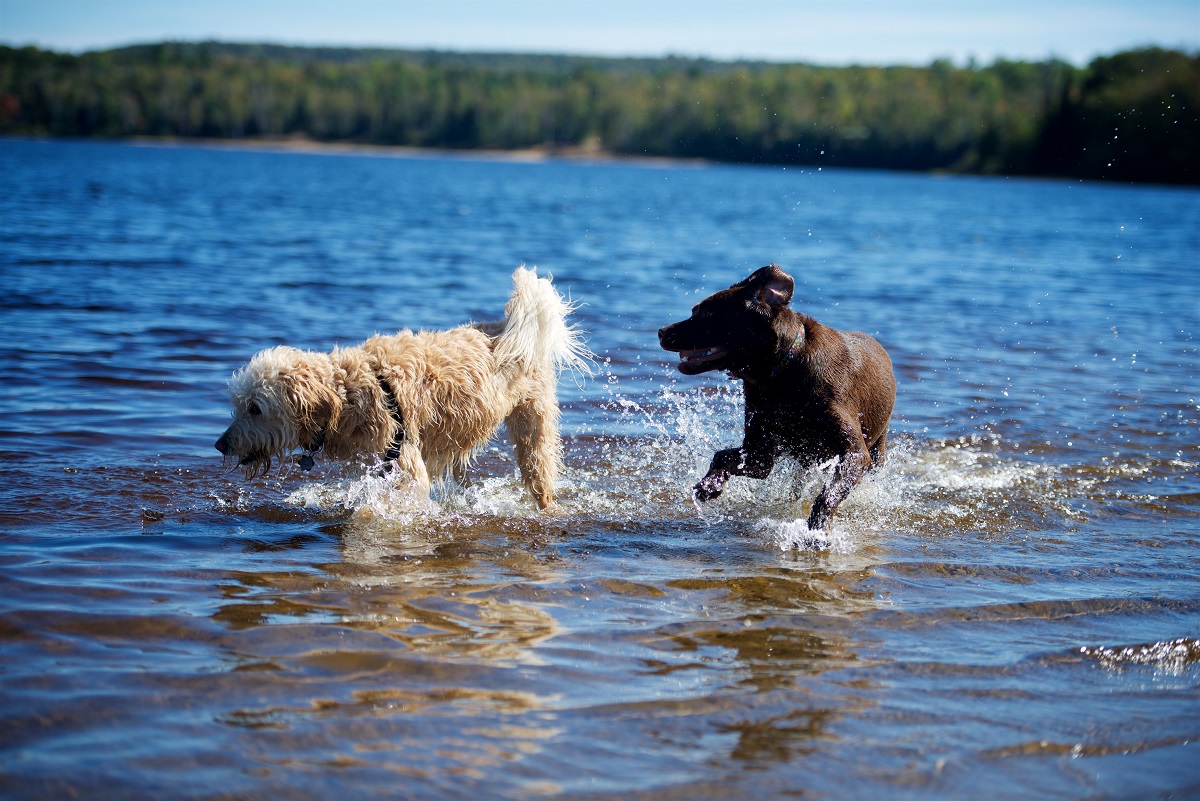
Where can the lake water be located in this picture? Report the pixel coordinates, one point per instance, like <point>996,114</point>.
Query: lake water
<point>1009,609</point>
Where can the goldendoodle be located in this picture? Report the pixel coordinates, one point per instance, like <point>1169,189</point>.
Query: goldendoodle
<point>425,402</point>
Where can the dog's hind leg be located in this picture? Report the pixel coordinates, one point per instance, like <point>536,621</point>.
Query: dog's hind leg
<point>878,452</point>
<point>533,428</point>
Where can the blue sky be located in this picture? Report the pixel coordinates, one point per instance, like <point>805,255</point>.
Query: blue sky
<point>818,31</point>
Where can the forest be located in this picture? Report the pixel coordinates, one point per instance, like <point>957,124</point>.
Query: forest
<point>1131,116</point>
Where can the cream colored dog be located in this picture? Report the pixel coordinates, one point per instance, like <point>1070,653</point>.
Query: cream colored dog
<point>425,402</point>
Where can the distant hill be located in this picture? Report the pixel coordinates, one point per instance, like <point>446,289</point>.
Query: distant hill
<point>498,62</point>
<point>1132,116</point>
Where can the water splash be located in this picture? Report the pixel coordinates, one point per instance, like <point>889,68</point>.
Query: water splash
<point>365,493</point>
<point>978,482</point>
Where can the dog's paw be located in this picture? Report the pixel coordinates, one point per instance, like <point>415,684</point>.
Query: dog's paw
<point>708,488</point>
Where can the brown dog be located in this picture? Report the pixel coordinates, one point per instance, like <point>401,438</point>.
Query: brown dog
<point>812,392</point>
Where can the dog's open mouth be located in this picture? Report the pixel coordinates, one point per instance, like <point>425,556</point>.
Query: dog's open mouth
<point>690,360</point>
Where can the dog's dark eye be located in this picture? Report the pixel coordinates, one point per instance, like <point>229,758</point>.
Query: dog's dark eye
<point>253,410</point>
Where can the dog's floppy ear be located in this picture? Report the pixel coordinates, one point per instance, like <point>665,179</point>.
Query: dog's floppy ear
<point>772,286</point>
<point>313,403</point>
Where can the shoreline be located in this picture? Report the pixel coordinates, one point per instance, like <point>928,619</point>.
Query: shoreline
<point>540,154</point>
<point>532,155</point>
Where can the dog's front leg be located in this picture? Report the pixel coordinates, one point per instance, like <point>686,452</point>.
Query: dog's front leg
<point>719,471</point>
<point>849,471</point>
<point>728,463</point>
<point>410,461</point>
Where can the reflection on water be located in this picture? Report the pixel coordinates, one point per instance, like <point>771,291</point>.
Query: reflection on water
<point>1007,608</point>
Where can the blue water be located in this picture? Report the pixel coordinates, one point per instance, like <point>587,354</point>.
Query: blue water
<point>1009,609</point>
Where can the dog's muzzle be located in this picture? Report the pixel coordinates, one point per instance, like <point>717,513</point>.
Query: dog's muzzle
<point>223,446</point>
<point>700,359</point>
<point>692,360</point>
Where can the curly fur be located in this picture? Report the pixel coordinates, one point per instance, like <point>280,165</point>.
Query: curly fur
<point>454,388</point>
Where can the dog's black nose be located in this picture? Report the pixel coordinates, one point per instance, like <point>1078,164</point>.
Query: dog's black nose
<point>222,445</point>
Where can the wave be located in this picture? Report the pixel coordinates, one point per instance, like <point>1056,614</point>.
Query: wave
<point>1171,656</point>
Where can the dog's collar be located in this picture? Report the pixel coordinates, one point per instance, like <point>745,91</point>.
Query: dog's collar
<point>389,397</point>
<point>393,449</point>
<point>793,352</point>
<point>306,459</point>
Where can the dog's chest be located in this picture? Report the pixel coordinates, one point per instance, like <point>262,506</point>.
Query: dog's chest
<point>796,418</point>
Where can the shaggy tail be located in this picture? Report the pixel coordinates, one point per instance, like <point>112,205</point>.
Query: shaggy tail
<point>536,330</point>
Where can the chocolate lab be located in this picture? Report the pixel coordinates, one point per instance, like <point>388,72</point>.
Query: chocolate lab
<point>812,392</point>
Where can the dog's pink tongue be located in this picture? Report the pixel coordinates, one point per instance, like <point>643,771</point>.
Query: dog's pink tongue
<point>704,355</point>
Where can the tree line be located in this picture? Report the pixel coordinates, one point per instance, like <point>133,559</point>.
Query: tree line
<point>1132,116</point>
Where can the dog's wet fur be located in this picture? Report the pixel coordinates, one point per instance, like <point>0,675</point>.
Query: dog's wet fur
<point>424,402</point>
<point>813,393</point>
